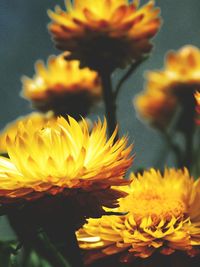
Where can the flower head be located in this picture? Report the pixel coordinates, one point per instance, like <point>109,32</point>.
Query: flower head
<point>173,87</point>
<point>163,216</point>
<point>104,33</point>
<point>155,107</point>
<point>38,120</point>
<point>62,87</point>
<point>63,157</point>
<point>181,72</point>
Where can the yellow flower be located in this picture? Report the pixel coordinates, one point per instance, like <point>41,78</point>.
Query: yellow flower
<point>37,121</point>
<point>163,216</point>
<point>155,107</point>
<point>63,157</point>
<point>104,33</point>
<point>175,84</point>
<point>62,87</point>
<point>181,72</point>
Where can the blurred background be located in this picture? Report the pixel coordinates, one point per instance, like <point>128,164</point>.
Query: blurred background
<point>25,39</point>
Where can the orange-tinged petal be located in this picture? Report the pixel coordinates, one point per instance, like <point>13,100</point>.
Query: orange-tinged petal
<point>156,218</point>
<point>63,154</point>
<point>86,28</point>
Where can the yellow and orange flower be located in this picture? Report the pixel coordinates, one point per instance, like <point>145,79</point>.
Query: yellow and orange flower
<point>163,216</point>
<point>63,157</point>
<point>38,120</point>
<point>62,87</point>
<point>105,33</point>
<point>155,107</point>
<point>176,83</point>
<point>181,72</point>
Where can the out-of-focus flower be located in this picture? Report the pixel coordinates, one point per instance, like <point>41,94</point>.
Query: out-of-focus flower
<point>163,216</point>
<point>155,107</point>
<point>105,33</point>
<point>181,72</point>
<point>175,85</point>
<point>64,158</point>
<point>38,120</point>
<point>197,97</point>
<point>62,87</point>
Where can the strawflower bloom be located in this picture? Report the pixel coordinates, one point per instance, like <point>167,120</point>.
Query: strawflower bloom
<point>104,33</point>
<point>64,158</point>
<point>63,87</point>
<point>38,120</point>
<point>181,72</point>
<point>163,216</point>
<point>178,82</point>
<point>155,107</point>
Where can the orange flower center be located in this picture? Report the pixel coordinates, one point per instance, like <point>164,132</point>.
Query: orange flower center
<point>157,205</point>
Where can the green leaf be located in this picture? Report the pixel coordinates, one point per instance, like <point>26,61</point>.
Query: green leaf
<point>6,253</point>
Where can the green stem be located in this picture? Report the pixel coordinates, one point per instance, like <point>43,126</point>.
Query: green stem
<point>186,125</point>
<point>131,69</point>
<point>64,239</point>
<point>30,240</point>
<point>49,252</point>
<point>109,100</point>
<point>188,160</point>
<point>27,253</point>
<point>174,147</point>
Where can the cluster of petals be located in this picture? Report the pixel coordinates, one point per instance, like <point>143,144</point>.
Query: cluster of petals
<point>182,69</point>
<point>60,85</point>
<point>155,108</point>
<point>123,27</point>
<point>38,120</point>
<point>163,215</point>
<point>62,154</point>
<point>174,85</point>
